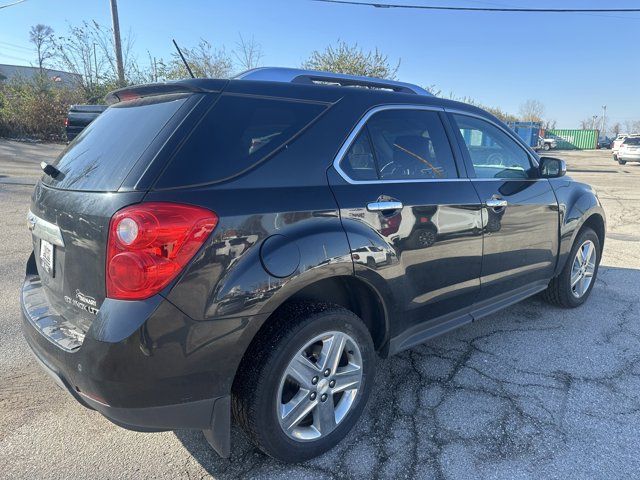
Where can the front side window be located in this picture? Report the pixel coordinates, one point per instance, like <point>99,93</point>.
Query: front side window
<point>401,144</point>
<point>494,154</point>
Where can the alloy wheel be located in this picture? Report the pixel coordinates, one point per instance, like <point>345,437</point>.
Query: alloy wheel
<point>319,386</point>
<point>583,269</point>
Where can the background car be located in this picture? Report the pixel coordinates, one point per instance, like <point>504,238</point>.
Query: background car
<point>629,150</point>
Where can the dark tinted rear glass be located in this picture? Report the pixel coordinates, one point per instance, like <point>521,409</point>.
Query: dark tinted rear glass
<point>236,134</point>
<point>632,141</point>
<point>100,157</point>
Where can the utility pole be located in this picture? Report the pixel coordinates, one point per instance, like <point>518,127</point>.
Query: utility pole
<point>117,42</point>
<point>593,123</point>
<point>604,116</point>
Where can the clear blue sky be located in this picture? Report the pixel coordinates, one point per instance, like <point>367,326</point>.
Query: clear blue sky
<point>573,63</point>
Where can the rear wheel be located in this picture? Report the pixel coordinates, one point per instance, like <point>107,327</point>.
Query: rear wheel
<point>303,385</point>
<point>622,162</point>
<point>572,287</point>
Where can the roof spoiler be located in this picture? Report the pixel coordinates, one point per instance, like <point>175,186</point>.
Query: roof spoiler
<point>198,85</point>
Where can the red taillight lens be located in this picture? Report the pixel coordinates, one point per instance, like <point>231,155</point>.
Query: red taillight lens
<point>150,243</point>
<point>66,122</point>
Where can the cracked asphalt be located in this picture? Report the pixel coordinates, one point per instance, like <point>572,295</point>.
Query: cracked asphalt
<point>531,392</point>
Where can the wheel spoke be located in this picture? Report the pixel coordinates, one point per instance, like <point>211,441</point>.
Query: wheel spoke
<point>332,351</point>
<point>347,378</point>
<point>581,286</point>
<point>325,416</point>
<point>296,409</point>
<point>302,370</point>
<point>575,278</point>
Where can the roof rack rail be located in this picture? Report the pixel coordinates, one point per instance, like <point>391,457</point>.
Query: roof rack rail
<point>295,75</point>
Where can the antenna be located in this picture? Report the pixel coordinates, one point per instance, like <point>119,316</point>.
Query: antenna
<point>183,59</point>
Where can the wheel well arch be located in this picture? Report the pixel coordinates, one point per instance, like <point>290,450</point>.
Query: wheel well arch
<point>348,292</point>
<point>596,223</point>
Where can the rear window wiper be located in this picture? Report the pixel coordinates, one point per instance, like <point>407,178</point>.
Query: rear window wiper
<point>49,169</point>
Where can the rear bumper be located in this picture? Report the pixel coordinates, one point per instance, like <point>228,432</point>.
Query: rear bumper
<point>629,157</point>
<point>159,371</point>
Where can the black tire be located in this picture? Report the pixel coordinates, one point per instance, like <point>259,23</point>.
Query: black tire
<point>255,389</point>
<point>622,162</point>
<point>559,290</point>
<point>547,147</point>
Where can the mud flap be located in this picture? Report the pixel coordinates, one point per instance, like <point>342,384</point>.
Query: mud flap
<point>219,435</point>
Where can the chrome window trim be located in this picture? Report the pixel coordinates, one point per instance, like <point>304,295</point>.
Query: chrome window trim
<point>346,145</point>
<point>512,135</point>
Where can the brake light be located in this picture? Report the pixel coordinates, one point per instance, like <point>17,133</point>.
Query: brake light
<point>66,122</point>
<point>150,243</point>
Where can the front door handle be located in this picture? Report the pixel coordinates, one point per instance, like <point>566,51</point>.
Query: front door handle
<point>496,203</point>
<point>383,206</point>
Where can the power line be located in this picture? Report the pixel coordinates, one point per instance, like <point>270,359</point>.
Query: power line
<point>11,4</point>
<point>484,9</point>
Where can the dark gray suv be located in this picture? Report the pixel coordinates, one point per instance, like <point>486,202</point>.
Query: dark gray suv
<point>215,249</point>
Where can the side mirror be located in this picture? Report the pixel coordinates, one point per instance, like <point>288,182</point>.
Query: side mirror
<point>552,167</point>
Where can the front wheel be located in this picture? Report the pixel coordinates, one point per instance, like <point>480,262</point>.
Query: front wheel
<point>547,147</point>
<point>622,162</point>
<point>573,286</point>
<point>304,382</point>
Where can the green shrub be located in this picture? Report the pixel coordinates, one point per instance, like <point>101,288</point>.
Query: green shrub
<point>35,108</point>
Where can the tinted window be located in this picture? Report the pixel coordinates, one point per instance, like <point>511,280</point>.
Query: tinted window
<point>494,154</point>
<point>236,134</point>
<point>411,144</point>
<point>632,141</point>
<point>104,153</point>
<point>359,163</point>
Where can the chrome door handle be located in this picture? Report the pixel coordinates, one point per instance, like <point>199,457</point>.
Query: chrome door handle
<point>382,206</point>
<point>496,203</point>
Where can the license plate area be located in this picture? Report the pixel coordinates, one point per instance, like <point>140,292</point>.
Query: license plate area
<point>47,257</point>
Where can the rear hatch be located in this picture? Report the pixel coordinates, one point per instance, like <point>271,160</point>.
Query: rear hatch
<point>70,212</point>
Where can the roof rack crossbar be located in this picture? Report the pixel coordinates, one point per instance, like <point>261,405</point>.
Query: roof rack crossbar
<point>294,75</point>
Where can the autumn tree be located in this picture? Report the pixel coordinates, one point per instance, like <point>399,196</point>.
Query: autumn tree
<point>205,61</point>
<point>352,60</point>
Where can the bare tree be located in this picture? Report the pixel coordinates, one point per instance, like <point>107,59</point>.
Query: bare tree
<point>549,124</point>
<point>88,50</point>
<point>532,111</point>
<point>632,126</point>
<point>42,37</point>
<point>204,60</point>
<point>351,59</point>
<point>587,123</point>
<point>248,53</point>
<point>616,129</point>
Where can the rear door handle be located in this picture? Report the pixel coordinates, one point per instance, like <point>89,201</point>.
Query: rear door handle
<point>496,203</point>
<point>383,206</point>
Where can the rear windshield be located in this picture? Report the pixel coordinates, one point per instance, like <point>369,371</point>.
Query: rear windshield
<point>104,153</point>
<point>236,134</point>
<point>632,141</point>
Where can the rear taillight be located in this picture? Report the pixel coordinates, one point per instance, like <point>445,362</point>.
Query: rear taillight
<point>150,243</point>
<point>66,122</point>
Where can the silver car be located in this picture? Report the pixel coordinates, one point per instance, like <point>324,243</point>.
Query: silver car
<point>629,151</point>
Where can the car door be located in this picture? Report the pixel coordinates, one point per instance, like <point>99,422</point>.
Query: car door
<point>400,189</point>
<point>520,210</point>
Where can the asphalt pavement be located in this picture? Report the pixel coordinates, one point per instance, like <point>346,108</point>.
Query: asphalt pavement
<point>530,392</point>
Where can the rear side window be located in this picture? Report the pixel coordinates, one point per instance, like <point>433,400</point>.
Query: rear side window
<point>100,158</point>
<point>401,144</point>
<point>236,134</point>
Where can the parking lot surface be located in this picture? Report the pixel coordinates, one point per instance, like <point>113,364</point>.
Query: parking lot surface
<point>531,392</point>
